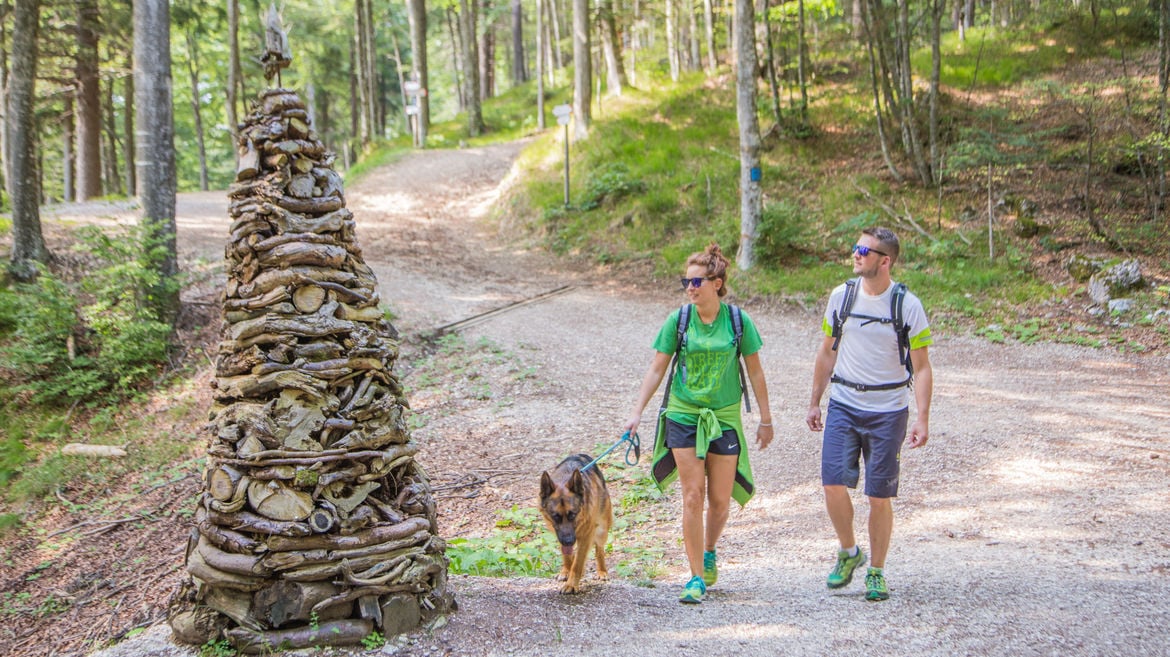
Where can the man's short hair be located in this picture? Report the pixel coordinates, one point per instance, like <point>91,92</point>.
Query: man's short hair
<point>887,241</point>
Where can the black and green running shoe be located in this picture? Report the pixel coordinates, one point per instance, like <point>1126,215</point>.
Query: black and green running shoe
<point>875,585</point>
<point>843,572</point>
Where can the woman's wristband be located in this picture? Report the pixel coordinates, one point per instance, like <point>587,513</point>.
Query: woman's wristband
<point>765,424</point>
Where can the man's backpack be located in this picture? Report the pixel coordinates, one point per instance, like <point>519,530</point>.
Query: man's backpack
<point>680,343</point>
<point>896,320</point>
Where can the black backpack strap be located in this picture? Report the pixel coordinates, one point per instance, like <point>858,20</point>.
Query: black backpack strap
<point>679,359</point>
<point>737,327</point>
<point>841,314</point>
<point>900,328</point>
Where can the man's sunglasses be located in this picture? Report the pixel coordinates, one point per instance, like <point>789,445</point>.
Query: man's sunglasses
<point>692,282</point>
<point>865,250</point>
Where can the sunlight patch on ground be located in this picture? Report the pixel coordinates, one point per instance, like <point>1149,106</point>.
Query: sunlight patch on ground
<point>1029,472</point>
<point>720,633</point>
<point>390,202</point>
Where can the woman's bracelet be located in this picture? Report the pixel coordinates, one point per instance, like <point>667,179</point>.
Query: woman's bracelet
<point>765,424</point>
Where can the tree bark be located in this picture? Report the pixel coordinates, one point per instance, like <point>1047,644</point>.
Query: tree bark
<point>234,74</point>
<point>28,243</point>
<point>457,61</point>
<point>875,76</point>
<point>128,146</point>
<point>418,56</point>
<point>751,196</point>
<point>519,61</point>
<point>467,11</point>
<point>672,39</point>
<point>5,186</point>
<point>196,111</point>
<point>937,8</point>
<point>110,149</point>
<point>615,70</point>
<point>582,70</point>
<point>709,34</point>
<point>487,51</point>
<point>68,154</point>
<point>89,110</point>
<point>540,47</point>
<point>156,141</point>
<point>695,57</point>
<point>772,84</point>
<point>555,46</point>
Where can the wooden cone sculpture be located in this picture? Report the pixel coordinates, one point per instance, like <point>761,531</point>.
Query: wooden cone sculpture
<point>316,525</point>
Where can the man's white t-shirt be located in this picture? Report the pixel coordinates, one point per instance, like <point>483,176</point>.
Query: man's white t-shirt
<point>868,352</point>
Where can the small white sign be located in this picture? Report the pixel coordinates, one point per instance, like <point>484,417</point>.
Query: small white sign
<point>562,110</point>
<point>411,110</point>
<point>411,87</point>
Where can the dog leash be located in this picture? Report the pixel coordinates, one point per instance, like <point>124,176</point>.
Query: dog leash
<point>635,447</point>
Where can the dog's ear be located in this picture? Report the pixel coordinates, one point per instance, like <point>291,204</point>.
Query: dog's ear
<point>547,487</point>
<point>576,483</point>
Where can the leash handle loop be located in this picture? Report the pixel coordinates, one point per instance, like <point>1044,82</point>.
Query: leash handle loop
<point>635,446</point>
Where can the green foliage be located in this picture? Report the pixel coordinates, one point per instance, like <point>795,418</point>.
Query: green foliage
<point>217,648</point>
<point>100,337</point>
<point>785,228</point>
<point>373,640</point>
<point>518,547</point>
<point>610,182</point>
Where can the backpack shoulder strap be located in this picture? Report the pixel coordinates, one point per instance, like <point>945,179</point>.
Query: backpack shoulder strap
<point>842,313</point>
<point>737,327</point>
<point>679,359</point>
<point>897,301</point>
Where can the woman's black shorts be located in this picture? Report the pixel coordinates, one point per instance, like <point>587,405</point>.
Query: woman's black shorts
<point>683,435</point>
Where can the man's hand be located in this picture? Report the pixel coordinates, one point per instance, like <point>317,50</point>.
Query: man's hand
<point>919,434</point>
<point>813,419</point>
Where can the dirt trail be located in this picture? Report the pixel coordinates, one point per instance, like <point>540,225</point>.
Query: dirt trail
<point>1034,523</point>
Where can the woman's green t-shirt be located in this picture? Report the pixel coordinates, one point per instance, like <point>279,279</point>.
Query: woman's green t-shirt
<point>712,368</point>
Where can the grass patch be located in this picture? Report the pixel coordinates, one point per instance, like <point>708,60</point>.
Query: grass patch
<point>377,154</point>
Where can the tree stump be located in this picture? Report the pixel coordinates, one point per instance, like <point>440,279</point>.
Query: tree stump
<point>315,515</point>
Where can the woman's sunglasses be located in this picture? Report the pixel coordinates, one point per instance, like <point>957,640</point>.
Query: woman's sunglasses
<point>688,283</point>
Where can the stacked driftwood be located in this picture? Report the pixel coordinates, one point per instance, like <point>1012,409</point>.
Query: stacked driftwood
<point>316,525</point>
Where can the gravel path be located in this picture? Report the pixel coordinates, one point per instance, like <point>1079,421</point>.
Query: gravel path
<point>1034,522</point>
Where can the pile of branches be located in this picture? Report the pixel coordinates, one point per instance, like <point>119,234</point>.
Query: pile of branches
<point>316,525</point>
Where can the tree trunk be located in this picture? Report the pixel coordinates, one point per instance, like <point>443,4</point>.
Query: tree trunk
<point>802,63</point>
<point>751,196</point>
<point>582,70</point>
<point>1163,96</point>
<point>156,142</point>
<point>89,111</point>
<point>771,63</point>
<point>355,104</point>
<point>110,149</point>
<point>540,47</point>
<point>487,52</point>
<point>197,113</point>
<point>672,39</point>
<point>457,60</point>
<point>68,154</point>
<point>709,34</point>
<point>401,79</point>
<point>555,46</point>
<point>374,94</point>
<point>5,186</point>
<point>615,71</point>
<point>871,36</point>
<point>467,9</point>
<point>234,75</point>
<point>937,8</point>
<point>519,61</point>
<point>418,56</point>
<point>28,243</point>
<point>128,146</point>
<point>905,85</point>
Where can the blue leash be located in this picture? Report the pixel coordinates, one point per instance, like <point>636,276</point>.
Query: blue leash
<point>635,447</point>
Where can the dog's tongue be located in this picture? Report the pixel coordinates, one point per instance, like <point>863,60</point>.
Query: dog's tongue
<point>567,550</point>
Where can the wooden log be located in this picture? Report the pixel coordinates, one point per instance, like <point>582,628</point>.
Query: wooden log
<point>284,602</point>
<point>279,101</point>
<point>374,536</point>
<point>318,206</point>
<point>237,363</point>
<point>354,594</point>
<point>267,244</point>
<point>281,472</point>
<point>294,276</point>
<point>276,160</point>
<point>321,520</point>
<point>249,165</point>
<point>224,539</point>
<point>93,451</point>
<point>347,497</point>
<point>297,128</point>
<point>368,607</point>
<point>222,579</point>
<point>229,562</point>
<point>329,181</point>
<point>306,253</point>
<point>222,481</point>
<point>303,165</point>
<point>273,500</point>
<point>271,297</point>
<point>306,326</point>
<point>236,605</point>
<point>232,504</point>
<point>258,524</point>
<point>318,350</point>
<point>292,222</point>
<point>345,632</point>
<point>309,298</point>
<point>300,186</point>
<point>355,314</point>
<point>243,387</point>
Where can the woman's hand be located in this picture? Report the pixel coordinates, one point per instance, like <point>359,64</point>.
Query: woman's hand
<point>631,425</point>
<point>764,435</point>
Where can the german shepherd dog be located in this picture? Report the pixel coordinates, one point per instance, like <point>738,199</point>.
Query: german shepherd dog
<point>576,508</point>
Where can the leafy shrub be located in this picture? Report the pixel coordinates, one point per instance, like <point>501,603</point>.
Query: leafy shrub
<point>610,183</point>
<point>100,337</point>
<point>784,228</point>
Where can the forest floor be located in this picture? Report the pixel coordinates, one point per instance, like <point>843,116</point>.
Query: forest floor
<point>1033,523</point>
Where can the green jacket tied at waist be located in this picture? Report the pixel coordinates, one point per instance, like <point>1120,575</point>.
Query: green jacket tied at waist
<point>709,426</point>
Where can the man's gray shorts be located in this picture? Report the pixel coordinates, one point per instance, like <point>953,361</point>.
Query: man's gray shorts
<point>878,437</point>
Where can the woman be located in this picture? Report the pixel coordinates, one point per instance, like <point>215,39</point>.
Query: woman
<point>700,436</point>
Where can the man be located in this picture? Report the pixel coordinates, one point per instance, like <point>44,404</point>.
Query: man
<point>872,372</point>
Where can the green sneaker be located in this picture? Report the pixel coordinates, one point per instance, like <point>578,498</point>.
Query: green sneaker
<point>710,570</point>
<point>694,592</point>
<point>843,572</point>
<point>875,585</point>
